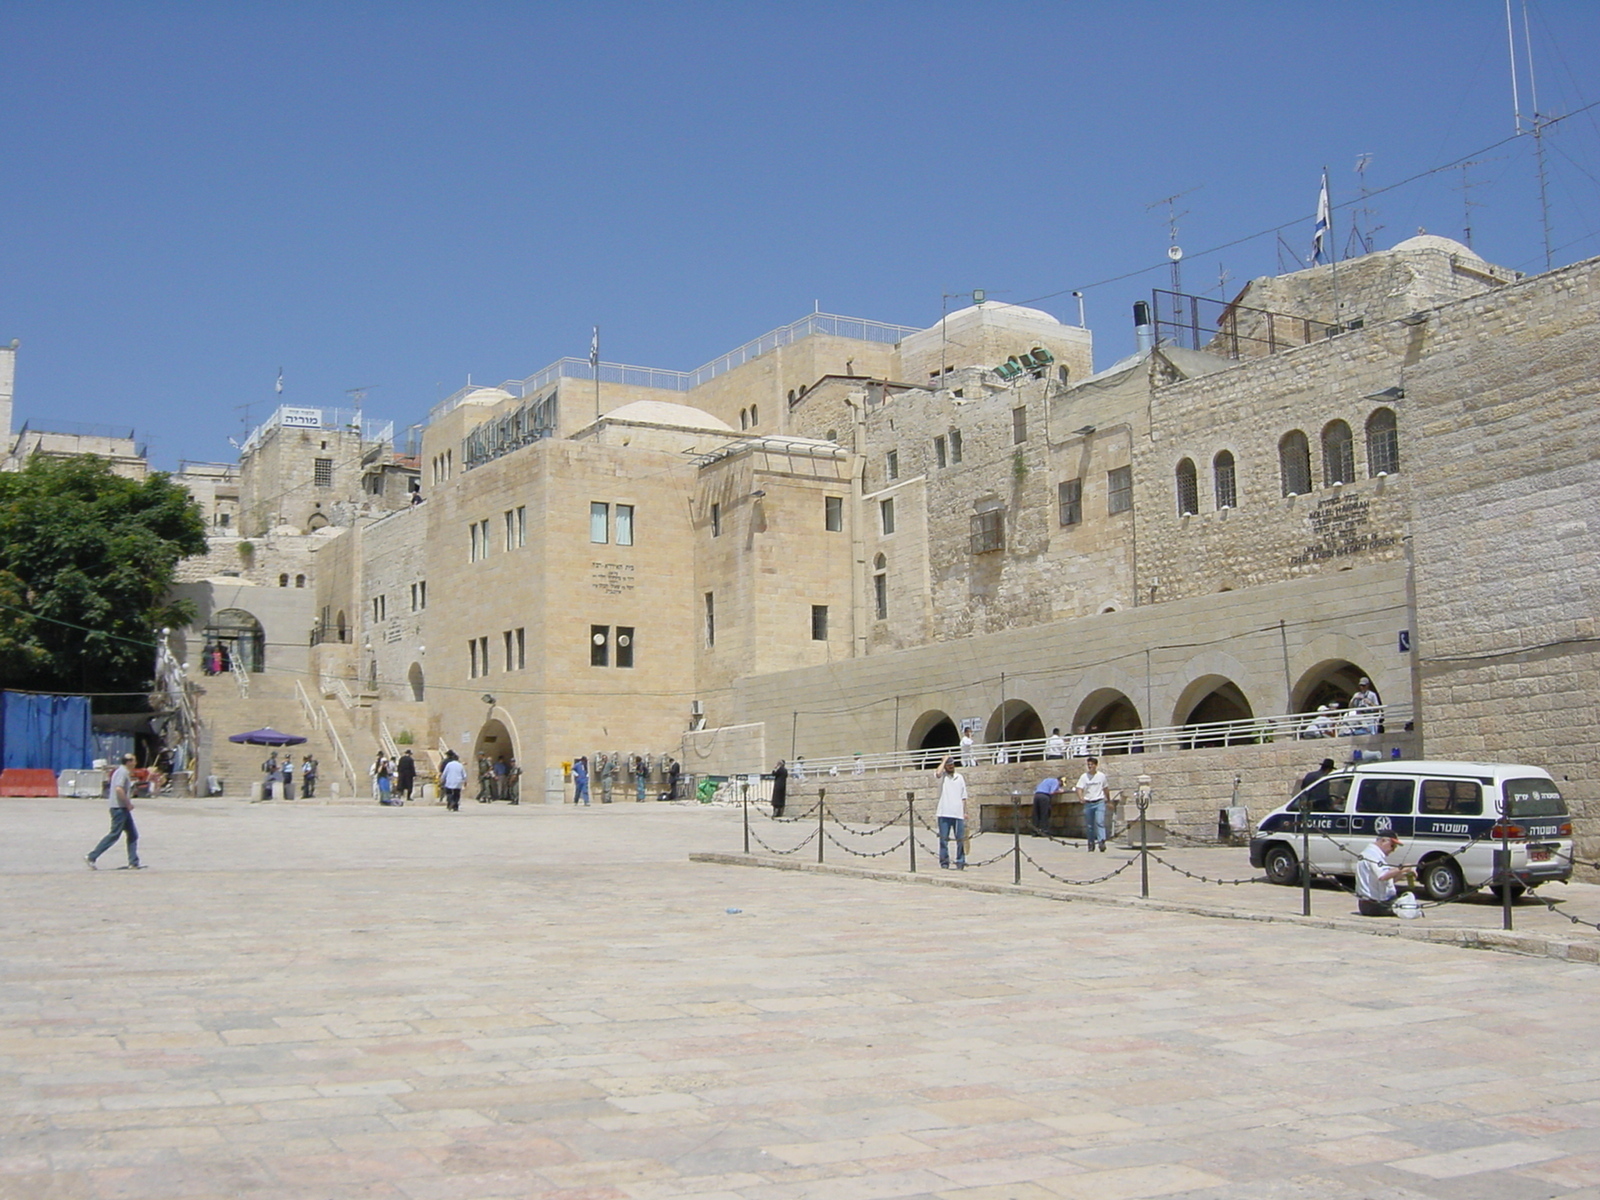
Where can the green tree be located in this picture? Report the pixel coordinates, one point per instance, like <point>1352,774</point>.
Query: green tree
<point>87,561</point>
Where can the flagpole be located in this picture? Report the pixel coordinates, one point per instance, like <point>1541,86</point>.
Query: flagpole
<point>1333,249</point>
<point>594,364</point>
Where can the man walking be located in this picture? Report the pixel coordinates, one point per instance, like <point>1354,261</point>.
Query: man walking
<point>1091,789</point>
<point>405,774</point>
<point>121,797</point>
<point>952,813</point>
<point>452,778</point>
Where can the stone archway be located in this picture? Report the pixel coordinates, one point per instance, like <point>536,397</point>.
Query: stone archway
<point>1015,721</point>
<point>240,636</point>
<point>494,743</point>
<point>934,731</point>
<point>1332,681</point>
<point>1209,700</point>
<point>1108,711</point>
<point>414,679</point>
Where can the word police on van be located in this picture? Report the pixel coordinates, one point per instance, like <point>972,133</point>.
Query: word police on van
<point>1451,818</point>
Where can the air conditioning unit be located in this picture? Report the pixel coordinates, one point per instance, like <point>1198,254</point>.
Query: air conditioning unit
<point>697,708</point>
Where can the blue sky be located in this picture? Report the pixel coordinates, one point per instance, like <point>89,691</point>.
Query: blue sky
<point>401,195</point>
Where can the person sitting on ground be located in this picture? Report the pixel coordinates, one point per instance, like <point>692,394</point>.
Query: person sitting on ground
<point>1321,725</point>
<point>1375,886</point>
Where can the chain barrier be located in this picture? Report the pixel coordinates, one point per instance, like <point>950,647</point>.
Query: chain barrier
<point>810,837</point>
<point>1203,878</point>
<point>1112,874</point>
<point>1550,906</point>
<point>893,821</point>
<point>866,853</point>
<point>805,816</point>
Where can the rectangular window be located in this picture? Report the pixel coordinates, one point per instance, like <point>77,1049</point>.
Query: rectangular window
<point>1391,796</point>
<point>988,531</point>
<point>522,525</point>
<point>891,465</point>
<point>1019,426</point>
<point>511,530</point>
<point>422,594</point>
<point>716,520</point>
<point>1119,489</point>
<point>322,472</point>
<point>833,513</point>
<point>938,451</point>
<point>1071,493</point>
<point>472,658</point>
<point>624,525</point>
<point>473,554</point>
<point>625,645</point>
<point>1452,797</point>
<point>955,445</point>
<point>819,622</point>
<point>599,645</point>
<point>510,649</point>
<point>886,515</point>
<point>711,619</point>
<point>522,649</point>
<point>880,596</point>
<point>483,653</point>
<point>599,523</point>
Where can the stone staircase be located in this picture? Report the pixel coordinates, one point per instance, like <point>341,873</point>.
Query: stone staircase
<point>274,702</point>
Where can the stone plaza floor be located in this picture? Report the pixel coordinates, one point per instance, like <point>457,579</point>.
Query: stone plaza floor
<point>301,1001</point>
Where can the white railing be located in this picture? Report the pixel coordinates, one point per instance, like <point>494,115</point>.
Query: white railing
<point>338,749</point>
<point>240,676</point>
<point>858,328</point>
<point>1210,735</point>
<point>306,706</point>
<point>390,747</point>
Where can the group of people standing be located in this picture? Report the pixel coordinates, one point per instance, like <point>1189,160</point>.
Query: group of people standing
<point>498,779</point>
<point>605,769</point>
<point>393,781</point>
<point>281,775</point>
<point>216,659</point>
<point>1363,716</point>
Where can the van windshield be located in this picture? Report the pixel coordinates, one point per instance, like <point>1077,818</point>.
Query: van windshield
<point>1533,798</point>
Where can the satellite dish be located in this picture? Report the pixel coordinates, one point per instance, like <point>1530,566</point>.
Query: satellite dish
<point>1174,252</point>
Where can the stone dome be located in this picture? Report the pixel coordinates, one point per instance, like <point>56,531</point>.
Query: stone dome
<point>660,412</point>
<point>1432,241</point>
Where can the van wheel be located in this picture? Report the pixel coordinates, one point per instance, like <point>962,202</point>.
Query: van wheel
<point>1441,879</point>
<point>1281,865</point>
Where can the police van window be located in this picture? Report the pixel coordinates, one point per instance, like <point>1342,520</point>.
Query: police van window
<point>1329,795</point>
<point>1534,798</point>
<point>1391,796</point>
<point>1452,797</point>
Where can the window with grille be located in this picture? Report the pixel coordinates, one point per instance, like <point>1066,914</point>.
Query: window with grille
<point>1338,454</point>
<point>1222,478</point>
<point>1188,489</point>
<point>1294,463</point>
<point>322,472</point>
<point>1071,497</point>
<point>1383,443</point>
<point>1119,489</point>
<point>891,464</point>
<point>988,531</point>
<point>1019,426</point>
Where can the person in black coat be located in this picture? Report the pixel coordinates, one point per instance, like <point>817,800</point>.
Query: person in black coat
<point>405,774</point>
<point>780,788</point>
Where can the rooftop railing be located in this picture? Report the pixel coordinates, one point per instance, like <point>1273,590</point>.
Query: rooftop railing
<point>809,325</point>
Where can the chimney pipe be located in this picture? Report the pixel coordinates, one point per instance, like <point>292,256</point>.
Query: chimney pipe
<point>1143,331</point>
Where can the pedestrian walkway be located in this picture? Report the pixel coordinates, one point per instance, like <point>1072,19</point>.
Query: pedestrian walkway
<point>549,1003</point>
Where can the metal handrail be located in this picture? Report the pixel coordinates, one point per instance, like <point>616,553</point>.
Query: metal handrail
<point>240,676</point>
<point>1206,735</point>
<point>338,749</point>
<point>390,746</point>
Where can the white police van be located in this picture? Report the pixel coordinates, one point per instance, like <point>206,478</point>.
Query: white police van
<point>1450,818</point>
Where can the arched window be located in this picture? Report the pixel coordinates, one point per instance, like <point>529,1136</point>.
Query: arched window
<point>1383,443</point>
<point>744,419</point>
<point>1338,454</point>
<point>1223,479</point>
<point>300,581</point>
<point>1188,489</point>
<point>283,581</point>
<point>754,416</point>
<point>880,587</point>
<point>1294,463</point>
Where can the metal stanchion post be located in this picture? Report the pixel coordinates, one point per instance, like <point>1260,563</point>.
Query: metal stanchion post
<point>822,795</point>
<point>745,804</point>
<point>911,828</point>
<point>1016,836</point>
<point>1503,866</point>
<point>1142,797</point>
<point>1305,853</point>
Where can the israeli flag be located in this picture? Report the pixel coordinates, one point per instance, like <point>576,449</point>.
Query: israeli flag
<point>594,349</point>
<point>1320,233</point>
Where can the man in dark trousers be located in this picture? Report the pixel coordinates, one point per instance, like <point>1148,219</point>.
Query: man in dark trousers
<point>405,774</point>
<point>121,797</point>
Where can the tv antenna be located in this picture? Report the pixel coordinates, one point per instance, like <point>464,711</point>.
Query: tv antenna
<point>1174,251</point>
<point>1467,202</point>
<point>357,395</point>
<point>1361,227</point>
<point>1536,125</point>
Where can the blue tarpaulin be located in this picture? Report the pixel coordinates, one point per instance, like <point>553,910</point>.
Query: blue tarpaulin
<point>45,731</point>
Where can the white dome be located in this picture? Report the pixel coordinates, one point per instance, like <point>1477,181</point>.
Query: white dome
<point>1432,241</point>
<point>661,412</point>
<point>486,395</point>
<point>994,308</point>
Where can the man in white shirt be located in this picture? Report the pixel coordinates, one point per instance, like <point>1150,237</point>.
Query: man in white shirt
<point>1091,789</point>
<point>453,777</point>
<point>1375,888</point>
<point>1366,710</point>
<point>952,813</point>
<point>121,797</point>
<point>1055,746</point>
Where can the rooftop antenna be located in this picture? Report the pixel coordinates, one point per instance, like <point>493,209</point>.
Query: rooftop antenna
<point>357,395</point>
<point>1467,202</point>
<point>1174,251</point>
<point>1536,125</point>
<point>1361,228</point>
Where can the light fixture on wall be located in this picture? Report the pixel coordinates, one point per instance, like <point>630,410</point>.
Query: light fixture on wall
<point>1388,393</point>
<point>487,698</point>
<point>1085,431</point>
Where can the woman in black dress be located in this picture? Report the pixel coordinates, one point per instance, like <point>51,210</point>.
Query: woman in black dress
<point>780,788</point>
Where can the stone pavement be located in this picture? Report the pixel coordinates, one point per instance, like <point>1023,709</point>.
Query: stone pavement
<point>407,1004</point>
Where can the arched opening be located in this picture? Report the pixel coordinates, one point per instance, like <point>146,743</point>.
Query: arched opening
<point>299,581</point>
<point>1016,721</point>
<point>240,637</point>
<point>343,627</point>
<point>283,580</point>
<point>1211,700</point>
<point>317,521</point>
<point>1223,481</point>
<point>755,416</point>
<point>1383,443</point>
<point>493,745</point>
<point>1108,711</point>
<point>1294,463</point>
<point>744,418</point>
<point>1333,682</point>
<point>934,731</point>
<point>1338,454</point>
<point>414,679</point>
<point>1188,489</point>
